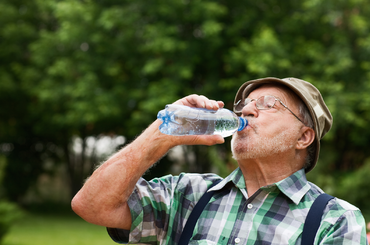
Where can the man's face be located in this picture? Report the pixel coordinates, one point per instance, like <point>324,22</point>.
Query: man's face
<point>269,132</point>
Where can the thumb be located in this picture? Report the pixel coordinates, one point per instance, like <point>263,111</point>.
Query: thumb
<point>205,140</point>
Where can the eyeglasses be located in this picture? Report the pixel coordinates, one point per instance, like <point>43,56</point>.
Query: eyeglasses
<point>262,103</point>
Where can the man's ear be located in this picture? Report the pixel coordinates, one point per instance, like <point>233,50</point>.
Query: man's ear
<point>307,137</point>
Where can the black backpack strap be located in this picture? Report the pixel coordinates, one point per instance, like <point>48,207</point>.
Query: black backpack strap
<point>195,213</point>
<point>313,218</point>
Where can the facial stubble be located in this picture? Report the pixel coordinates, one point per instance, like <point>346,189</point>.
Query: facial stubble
<point>245,146</point>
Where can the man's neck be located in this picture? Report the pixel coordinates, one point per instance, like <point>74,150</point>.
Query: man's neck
<point>262,172</point>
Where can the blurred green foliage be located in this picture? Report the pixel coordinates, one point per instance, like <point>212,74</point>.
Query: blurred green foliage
<point>85,68</point>
<point>9,212</point>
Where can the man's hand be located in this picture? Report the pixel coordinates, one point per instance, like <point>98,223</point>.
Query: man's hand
<point>200,101</point>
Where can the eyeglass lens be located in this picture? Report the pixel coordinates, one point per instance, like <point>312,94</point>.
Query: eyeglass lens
<point>262,103</point>
<point>265,102</point>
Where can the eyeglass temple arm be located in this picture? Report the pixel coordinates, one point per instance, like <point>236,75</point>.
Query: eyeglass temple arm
<point>291,112</point>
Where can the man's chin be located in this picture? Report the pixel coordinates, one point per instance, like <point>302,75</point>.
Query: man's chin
<point>239,152</point>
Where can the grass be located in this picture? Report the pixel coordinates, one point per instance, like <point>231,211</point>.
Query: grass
<point>56,229</point>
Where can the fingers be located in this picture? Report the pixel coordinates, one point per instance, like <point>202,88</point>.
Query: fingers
<point>200,101</point>
<point>221,104</point>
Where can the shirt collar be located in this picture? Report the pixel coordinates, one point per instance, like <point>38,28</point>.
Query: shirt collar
<point>294,187</point>
<point>236,177</point>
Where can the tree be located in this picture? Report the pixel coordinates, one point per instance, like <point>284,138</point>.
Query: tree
<point>18,141</point>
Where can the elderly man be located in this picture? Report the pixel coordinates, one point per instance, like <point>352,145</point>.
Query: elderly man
<point>264,201</point>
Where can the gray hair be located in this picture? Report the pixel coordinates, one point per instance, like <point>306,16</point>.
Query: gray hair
<point>307,119</point>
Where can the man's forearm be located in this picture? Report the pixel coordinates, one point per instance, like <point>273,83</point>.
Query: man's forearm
<point>103,198</point>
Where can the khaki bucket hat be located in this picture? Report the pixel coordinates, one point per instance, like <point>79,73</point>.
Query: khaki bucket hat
<point>309,94</point>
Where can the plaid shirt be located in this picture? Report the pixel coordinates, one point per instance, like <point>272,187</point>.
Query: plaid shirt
<point>275,214</point>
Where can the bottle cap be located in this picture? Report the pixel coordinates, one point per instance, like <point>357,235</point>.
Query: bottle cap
<point>242,123</point>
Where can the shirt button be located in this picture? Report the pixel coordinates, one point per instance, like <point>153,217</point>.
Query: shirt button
<point>250,205</point>
<point>237,240</point>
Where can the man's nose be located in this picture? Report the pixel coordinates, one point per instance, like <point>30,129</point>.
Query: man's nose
<point>250,110</point>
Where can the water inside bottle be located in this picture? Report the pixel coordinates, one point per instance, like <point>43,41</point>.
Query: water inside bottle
<point>182,120</point>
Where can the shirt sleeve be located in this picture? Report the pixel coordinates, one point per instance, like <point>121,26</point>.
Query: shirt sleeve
<point>160,206</point>
<point>347,228</point>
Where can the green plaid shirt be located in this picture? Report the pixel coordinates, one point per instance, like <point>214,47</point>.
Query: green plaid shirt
<point>275,214</point>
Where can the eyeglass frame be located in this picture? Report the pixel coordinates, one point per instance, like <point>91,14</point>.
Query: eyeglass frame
<point>276,99</point>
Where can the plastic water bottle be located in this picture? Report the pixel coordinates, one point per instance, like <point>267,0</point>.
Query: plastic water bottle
<point>184,120</point>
